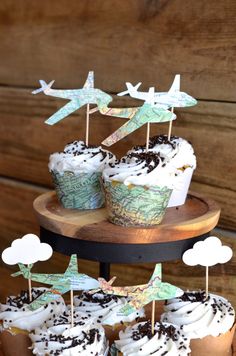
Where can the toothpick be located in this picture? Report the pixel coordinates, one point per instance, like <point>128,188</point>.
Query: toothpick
<point>147,137</point>
<point>153,316</point>
<point>30,287</point>
<point>72,307</point>
<point>207,273</point>
<point>170,125</point>
<point>87,125</point>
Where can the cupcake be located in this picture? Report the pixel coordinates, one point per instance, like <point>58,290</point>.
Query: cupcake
<point>180,155</point>
<point>17,320</point>
<point>106,311</point>
<point>76,175</point>
<point>166,340</point>
<point>137,189</point>
<point>207,321</point>
<point>84,338</point>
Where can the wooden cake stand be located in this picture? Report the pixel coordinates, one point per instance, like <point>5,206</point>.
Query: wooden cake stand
<point>93,237</point>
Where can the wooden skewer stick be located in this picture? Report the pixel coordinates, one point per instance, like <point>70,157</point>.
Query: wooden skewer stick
<point>170,125</point>
<point>153,316</point>
<point>72,307</point>
<point>207,274</point>
<point>30,288</point>
<point>87,126</point>
<point>147,137</point>
<point>92,111</point>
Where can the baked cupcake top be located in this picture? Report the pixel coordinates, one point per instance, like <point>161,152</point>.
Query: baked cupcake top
<point>145,169</point>
<point>105,308</point>
<point>16,313</point>
<point>79,158</point>
<point>167,340</point>
<point>64,340</point>
<point>199,316</point>
<point>178,150</point>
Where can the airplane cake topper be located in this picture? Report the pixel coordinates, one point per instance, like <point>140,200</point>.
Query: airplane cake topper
<point>78,97</point>
<point>143,294</point>
<point>60,283</point>
<point>154,109</point>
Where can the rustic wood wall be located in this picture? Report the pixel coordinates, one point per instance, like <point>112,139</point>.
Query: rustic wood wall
<point>133,40</point>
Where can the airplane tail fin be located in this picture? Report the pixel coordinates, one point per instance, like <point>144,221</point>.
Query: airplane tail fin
<point>157,275</point>
<point>89,83</point>
<point>131,89</point>
<point>73,265</point>
<point>44,86</point>
<point>24,270</point>
<point>175,85</point>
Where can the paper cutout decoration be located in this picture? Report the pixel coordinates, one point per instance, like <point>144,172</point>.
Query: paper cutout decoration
<point>61,283</point>
<point>147,113</point>
<point>78,98</point>
<point>27,250</point>
<point>207,253</point>
<point>173,98</point>
<point>143,294</point>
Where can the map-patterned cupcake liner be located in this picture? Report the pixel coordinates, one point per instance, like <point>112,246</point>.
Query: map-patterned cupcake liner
<point>82,191</point>
<point>135,205</point>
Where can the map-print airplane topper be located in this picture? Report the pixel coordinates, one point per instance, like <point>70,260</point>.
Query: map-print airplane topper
<point>78,97</point>
<point>173,98</point>
<point>142,294</point>
<point>61,283</point>
<point>149,112</point>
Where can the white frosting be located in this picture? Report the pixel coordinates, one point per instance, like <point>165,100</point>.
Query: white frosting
<point>86,339</point>
<point>132,342</point>
<point>198,318</point>
<point>141,169</point>
<point>24,318</point>
<point>178,150</point>
<point>79,158</point>
<point>105,308</point>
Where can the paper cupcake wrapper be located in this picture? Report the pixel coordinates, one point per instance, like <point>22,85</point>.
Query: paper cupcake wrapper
<point>82,191</point>
<point>178,196</point>
<point>213,346</point>
<point>135,205</point>
<point>15,345</point>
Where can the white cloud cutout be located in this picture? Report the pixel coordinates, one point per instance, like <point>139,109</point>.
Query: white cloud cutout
<point>207,253</point>
<point>27,250</point>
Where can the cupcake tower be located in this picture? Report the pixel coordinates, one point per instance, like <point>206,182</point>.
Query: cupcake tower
<point>139,186</point>
<point>193,322</point>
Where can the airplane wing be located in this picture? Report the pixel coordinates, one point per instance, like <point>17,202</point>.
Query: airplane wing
<point>126,113</point>
<point>136,303</point>
<point>147,113</point>
<point>49,296</point>
<point>66,110</point>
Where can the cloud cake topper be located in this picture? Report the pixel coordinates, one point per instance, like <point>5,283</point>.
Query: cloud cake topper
<point>27,250</point>
<point>207,253</point>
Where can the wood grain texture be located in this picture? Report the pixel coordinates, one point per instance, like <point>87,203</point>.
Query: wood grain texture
<point>27,142</point>
<point>196,217</point>
<point>131,40</point>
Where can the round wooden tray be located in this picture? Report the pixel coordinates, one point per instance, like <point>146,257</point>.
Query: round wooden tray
<point>197,216</point>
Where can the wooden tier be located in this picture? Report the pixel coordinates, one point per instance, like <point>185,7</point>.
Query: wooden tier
<point>197,216</point>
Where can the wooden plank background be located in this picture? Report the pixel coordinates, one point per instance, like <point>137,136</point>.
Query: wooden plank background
<point>144,40</point>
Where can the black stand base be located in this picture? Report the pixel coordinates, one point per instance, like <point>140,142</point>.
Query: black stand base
<point>107,253</point>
